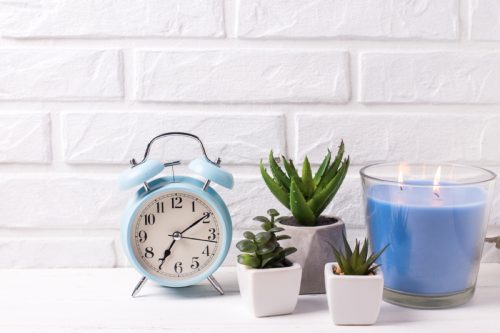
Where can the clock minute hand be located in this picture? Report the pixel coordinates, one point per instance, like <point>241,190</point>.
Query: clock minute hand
<point>193,224</point>
<point>166,254</point>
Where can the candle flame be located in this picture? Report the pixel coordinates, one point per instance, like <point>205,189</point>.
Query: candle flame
<point>400,178</point>
<point>403,169</point>
<point>435,183</point>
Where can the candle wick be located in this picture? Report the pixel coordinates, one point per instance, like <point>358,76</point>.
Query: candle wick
<point>436,194</point>
<point>401,187</point>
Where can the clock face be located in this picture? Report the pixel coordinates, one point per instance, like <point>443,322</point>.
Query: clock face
<point>176,235</point>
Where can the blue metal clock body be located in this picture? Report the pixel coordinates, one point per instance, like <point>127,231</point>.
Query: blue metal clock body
<point>171,227</point>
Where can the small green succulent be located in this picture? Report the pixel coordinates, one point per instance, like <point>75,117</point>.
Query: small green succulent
<point>307,196</point>
<point>356,262</point>
<point>262,250</point>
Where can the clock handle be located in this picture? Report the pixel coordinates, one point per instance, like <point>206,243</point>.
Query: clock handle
<point>134,163</point>
<point>215,284</point>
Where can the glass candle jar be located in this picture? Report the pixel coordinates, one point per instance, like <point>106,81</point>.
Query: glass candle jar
<point>434,218</point>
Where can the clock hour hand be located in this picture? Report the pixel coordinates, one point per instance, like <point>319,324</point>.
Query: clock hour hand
<point>166,254</point>
<point>193,224</point>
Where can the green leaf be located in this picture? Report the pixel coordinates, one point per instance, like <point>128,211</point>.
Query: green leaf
<point>322,168</point>
<point>267,226</point>
<point>263,237</point>
<point>275,188</point>
<point>278,174</point>
<point>299,207</point>
<point>289,250</point>
<point>322,198</point>
<point>282,237</point>
<point>364,251</point>
<point>347,247</point>
<point>276,229</point>
<point>261,219</point>
<point>246,245</point>
<point>292,173</point>
<point>249,260</point>
<point>272,212</point>
<point>249,235</point>
<point>332,170</point>
<point>266,248</point>
<point>307,179</point>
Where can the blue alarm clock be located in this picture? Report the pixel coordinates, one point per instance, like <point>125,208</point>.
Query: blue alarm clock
<point>176,230</point>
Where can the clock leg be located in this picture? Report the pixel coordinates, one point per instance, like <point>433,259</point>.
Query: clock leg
<point>215,284</point>
<point>139,285</point>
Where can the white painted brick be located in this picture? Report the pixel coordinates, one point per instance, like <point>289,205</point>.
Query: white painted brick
<point>484,20</point>
<point>242,76</point>
<point>430,77</point>
<point>25,138</point>
<point>56,252</point>
<point>250,197</point>
<point>381,19</point>
<point>60,74</point>
<point>391,137</point>
<point>45,200</point>
<point>236,138</point>
<point>122,18</point>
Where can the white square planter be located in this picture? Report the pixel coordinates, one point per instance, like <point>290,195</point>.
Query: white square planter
<point>270,292</point>
<point>353,299</point>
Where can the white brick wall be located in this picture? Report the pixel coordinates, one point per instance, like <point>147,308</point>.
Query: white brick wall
<point>85,84</point>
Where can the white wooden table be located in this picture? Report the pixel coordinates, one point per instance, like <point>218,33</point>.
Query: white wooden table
<point>98,300</point>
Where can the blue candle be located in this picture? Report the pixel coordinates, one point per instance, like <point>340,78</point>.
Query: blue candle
<point>435,235</point>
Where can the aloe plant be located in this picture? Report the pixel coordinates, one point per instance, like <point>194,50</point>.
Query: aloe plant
<point>357,261</point>
<point>263,250</point>
<point>306,196</point>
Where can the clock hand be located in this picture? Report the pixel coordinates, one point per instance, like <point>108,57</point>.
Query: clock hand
<point>166,254</point>
<point>193,224</point>
<point>198,239</point>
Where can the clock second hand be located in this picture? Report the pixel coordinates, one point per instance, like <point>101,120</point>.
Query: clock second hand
<point>198,239</point>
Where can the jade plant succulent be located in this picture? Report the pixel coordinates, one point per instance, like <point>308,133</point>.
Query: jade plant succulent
<point>357,261</point>
<point>262,250</point>
<point>306,196</point>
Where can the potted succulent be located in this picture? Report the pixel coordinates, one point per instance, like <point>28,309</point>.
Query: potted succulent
<point>354,285</point>
<point>269,282</point>
<point>306,197</point>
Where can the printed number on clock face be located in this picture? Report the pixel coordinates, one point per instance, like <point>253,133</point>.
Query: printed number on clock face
<point>176,236</point>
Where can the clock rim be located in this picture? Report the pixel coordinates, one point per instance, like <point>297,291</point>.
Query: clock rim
<point>194,187</point>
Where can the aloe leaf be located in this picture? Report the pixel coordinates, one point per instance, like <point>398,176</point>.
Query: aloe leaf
<point>364,251</point>
<point>299,207</point>
<point>347,247</point>
<point>332,170</point>
<point>307,179</point>
<point>355,256</point>
<point>322,168</point>
<point>278,174</point>
<point>322,198</point>
<point>274,187</point>
<point>292,173</point>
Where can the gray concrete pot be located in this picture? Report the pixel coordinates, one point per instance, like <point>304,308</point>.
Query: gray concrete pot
<point>314,249</point>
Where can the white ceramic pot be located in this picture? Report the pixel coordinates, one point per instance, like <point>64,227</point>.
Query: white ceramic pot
<point>353,299</point>
<point>271,291</point>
